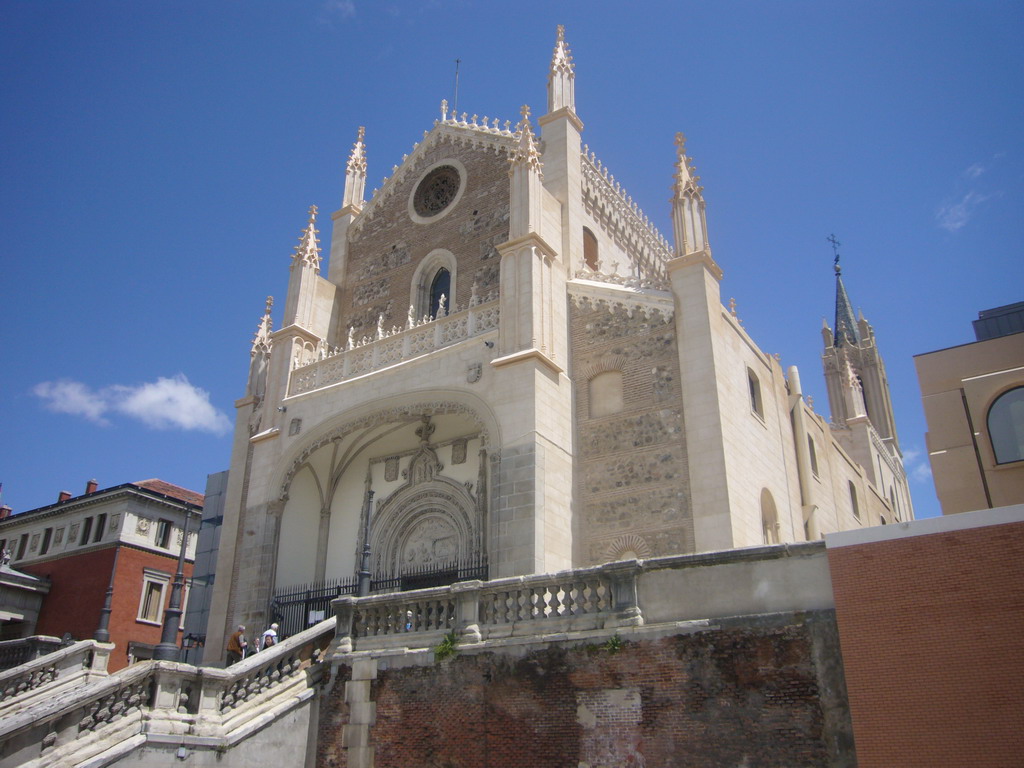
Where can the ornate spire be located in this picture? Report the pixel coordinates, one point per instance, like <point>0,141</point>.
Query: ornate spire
<point>526,152</point>
<point>261,343</point>
<point>308,250</point>
<point>355,173</point>
<point>688,216</point>
<point>846,326</point>
<point>561,76</point>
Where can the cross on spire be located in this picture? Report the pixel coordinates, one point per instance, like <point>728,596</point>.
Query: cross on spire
<point>835,251</point>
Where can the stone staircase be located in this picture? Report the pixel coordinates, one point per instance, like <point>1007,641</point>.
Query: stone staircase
<point>64,710</point>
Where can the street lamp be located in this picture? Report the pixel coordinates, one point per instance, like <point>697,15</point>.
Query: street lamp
<point>364,565</point>
<point>167,649</point>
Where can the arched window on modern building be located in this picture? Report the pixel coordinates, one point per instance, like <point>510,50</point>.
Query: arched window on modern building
<point>590,250</point>
<point>1006,426</point>
<point>606,394</point>
<point>769,518</point>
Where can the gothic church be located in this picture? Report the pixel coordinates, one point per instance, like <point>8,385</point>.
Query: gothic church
<point>504,362</point>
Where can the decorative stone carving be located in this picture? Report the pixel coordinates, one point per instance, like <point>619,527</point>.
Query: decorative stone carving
<point>474,372</point>
<point>398,414</point>
<point>459,451</point>
<point>73,532</point>
<point>391,469</point>
<point>58,536</point>
<point>142,526</point>
<point>432,541</point>
<point>115,522</point>
<point>34,543</point>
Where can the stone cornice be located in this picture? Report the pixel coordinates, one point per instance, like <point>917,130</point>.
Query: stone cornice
<point>697,257</point>
<point>526,355</point>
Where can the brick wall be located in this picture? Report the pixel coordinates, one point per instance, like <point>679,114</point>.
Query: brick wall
<point>385,251</point>
<point>932,633</point>
<point>79,589</point>
<point>750,695</point>
<point>632,477</point>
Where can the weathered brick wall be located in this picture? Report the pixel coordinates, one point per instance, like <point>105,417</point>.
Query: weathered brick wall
<point>632,476</point>
<point>385,251</point>
<point>932,631</point>
<point>750,696</point>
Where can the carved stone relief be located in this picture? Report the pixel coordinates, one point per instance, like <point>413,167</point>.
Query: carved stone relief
<point>391,469</point>
<point>142,526</point>
<point>459,451</point>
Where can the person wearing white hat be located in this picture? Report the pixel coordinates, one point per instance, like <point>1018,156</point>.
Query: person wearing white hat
<point>269,637</point>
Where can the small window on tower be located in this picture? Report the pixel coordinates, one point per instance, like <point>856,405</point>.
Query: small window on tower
<point>590,250</point>
<point>755,394</point>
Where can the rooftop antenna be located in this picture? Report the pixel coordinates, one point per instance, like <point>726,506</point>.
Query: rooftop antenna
<point>457,62</point>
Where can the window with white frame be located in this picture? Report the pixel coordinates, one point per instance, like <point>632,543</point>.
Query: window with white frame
<point>151,604</point>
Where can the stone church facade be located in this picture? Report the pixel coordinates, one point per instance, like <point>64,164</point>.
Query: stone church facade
<point>504,361</point>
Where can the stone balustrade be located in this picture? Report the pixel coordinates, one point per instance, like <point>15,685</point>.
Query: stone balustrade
<point>45,675</point>
<point>164,703</point>
<point>521,606</point>
<point>392,347</point>
<point>604,599</point>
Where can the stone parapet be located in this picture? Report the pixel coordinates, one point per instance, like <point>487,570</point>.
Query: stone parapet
<point>164,703</point>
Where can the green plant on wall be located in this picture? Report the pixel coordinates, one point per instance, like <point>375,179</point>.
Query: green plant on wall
<point>613,644</point>
<point>447,648</point>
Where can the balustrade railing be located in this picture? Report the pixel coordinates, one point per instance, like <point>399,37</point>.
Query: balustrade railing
<point>387,348</point>
<point>593,598</point>
<point>45,675</point>
<point>153,699</point>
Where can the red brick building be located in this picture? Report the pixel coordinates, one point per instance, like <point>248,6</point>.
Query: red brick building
<point>931,625</point>
<point>128,537</point>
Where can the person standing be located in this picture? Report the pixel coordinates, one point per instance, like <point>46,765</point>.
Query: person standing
<point>269,637</point>
<point>237,645</point>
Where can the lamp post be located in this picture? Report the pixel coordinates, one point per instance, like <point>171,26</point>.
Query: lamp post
<point>167,649</point>
<point>102,633</point>
<point>364,564</point>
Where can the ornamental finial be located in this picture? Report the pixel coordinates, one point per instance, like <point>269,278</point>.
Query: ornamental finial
<point>270,305</point>
<point>444,110</point>
<point>525,112</point>
<point>312,214</point>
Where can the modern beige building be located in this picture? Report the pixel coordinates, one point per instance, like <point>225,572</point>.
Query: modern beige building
<point>505,364</point>
<point>973,398</point>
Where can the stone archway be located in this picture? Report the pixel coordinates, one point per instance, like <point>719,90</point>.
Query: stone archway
<point>430,521</point>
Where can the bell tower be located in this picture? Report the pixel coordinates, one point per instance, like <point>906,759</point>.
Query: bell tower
<point>858,388</point>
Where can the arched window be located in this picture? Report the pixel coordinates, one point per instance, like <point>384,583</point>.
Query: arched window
<point>769,518</point>
<point>440,286</point>
<point>435,275</point>
<point>606,394</point>
<point>853,501</point>
<point>590,250</point>
<point>1006,426</point>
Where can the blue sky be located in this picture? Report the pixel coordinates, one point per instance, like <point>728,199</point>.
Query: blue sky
<point>158,159</point>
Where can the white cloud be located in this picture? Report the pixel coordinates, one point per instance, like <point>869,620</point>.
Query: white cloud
<point>974,171</point>
<point>164,404</point>
<point>72,397</point>
<point>344,9</point>
<point>922,473</point>
<point>954,216</point>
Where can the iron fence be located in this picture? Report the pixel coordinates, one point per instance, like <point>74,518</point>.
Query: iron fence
<point>298,607</point>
